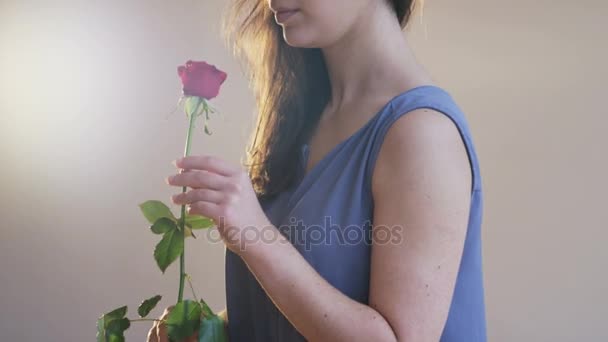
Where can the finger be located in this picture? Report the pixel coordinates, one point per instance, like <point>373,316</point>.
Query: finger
<point>194,195</point>
<point>207,162</point>
<point>199,179</point>
<point>207,209</point>
<point>161,328</point>
<point>166,312</point>
<point>152,336</point>
<point>161,331</point>
<point>193,338</point>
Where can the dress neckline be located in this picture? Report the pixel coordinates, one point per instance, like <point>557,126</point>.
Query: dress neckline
<point>305,179</point>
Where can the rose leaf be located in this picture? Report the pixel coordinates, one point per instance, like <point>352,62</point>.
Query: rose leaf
<point>169,248</point>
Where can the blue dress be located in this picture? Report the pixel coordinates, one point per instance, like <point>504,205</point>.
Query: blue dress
<point>327,216</point>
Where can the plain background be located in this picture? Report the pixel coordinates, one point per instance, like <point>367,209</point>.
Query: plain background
<point>86,93</point>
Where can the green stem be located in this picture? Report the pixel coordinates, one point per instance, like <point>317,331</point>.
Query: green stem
<point>145,319</point>
<point>182,220</point>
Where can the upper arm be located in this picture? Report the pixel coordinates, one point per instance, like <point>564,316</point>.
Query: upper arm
<point>421,188</point>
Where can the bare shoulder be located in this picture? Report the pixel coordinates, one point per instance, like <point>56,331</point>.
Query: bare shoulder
<point>422,149</point>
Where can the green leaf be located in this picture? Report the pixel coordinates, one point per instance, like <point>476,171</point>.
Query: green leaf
<point>101,330</point>
<point>118,326</point>
<point>147,305</point>
<point>111,326</point>
<point>163,225</point>
<point>154,210</point>
<point>116,338</point>
<point>212,330</point>
<point>199,222</point>
<point>183,320</point>
<point>117,313</point>
<point>169,248</point>
<point>207,130</point>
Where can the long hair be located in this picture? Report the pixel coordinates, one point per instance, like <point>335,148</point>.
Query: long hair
<point>291,87</point>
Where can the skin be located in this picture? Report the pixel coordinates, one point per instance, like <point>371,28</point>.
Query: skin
<point>412,281</point>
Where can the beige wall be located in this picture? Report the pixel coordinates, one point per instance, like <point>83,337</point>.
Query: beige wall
<point>85,88</point>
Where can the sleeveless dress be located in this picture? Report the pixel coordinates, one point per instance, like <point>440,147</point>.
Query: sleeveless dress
<point>327,216</point>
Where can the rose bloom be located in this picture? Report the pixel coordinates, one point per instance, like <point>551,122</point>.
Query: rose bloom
<point>201,79</point>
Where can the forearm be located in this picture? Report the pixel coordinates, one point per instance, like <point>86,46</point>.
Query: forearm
<point>318,310</point>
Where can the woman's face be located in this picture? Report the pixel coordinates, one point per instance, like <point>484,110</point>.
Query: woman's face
<point>318,23</point>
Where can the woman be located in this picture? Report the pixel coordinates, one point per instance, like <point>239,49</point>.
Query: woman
<point>354,221</point>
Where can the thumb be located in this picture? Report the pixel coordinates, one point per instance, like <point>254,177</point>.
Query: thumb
<point>167,312</point>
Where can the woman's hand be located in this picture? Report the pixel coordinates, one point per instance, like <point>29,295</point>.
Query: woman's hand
<point>224,193</point>
<point>158,332</point>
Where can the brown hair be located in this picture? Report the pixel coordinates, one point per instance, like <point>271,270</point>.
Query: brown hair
<point>291,87</point>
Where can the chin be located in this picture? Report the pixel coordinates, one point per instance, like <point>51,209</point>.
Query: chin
<point>299,38</point>
<point>303,39</point>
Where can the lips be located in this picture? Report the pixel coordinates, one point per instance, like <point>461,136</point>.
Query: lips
<point>282,15</point>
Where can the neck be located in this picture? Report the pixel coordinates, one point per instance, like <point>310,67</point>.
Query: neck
<point>374,55</point>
